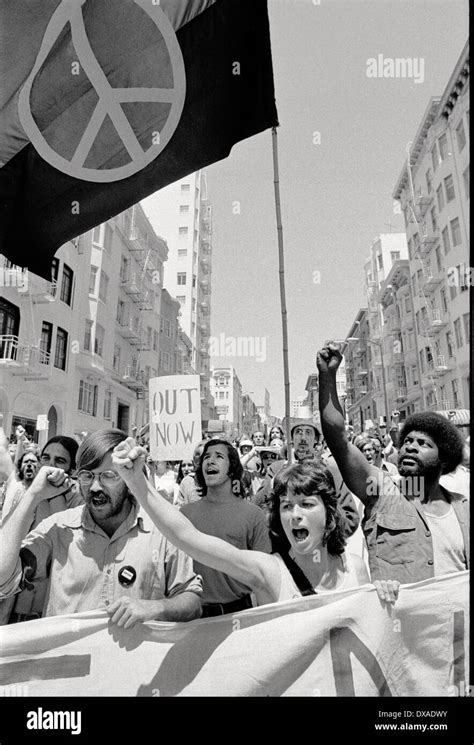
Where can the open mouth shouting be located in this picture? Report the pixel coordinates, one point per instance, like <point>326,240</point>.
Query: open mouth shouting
<point>300,534</point>
<point>98,500</point>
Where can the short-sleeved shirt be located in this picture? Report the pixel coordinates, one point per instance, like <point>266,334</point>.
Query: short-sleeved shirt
<point>398,534</point>
<point>238,522</point>
<point>84,563</point>
<point>31,601</point>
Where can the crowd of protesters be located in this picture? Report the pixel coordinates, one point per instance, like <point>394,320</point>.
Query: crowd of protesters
<point>242,523</point>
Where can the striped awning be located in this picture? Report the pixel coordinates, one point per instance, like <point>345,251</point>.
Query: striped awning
<point>460,417</point>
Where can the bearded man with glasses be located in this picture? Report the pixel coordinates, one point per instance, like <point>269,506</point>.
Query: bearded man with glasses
<point>103,554</point>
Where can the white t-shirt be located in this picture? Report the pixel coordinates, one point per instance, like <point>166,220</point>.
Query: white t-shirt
<point>448,544</point>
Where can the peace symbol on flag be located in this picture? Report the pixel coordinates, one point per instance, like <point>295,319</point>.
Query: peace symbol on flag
<point>91,157</point>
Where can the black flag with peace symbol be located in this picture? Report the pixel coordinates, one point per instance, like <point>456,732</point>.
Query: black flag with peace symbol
<point>107,101</point>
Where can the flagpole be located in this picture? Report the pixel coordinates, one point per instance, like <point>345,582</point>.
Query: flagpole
<point>281,270</point>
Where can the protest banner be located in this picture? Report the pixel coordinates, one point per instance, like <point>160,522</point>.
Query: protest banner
<point>175,416</point>
<point>341,644</point>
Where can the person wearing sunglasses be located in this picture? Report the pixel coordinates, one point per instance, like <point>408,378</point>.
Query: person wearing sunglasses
<point>105,554</point>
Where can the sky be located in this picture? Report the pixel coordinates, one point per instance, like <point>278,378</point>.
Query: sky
<point>342,143</point>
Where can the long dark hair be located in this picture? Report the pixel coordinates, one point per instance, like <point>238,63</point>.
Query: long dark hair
<point>69,444</point>
<point>309,479</point>
<point>235,466</point>
<point>180,474</point>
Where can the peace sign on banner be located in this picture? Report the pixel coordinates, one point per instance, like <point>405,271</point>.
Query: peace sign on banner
<point>108,147</point>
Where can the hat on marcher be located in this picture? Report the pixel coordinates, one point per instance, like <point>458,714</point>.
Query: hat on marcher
<point>245,442</point>
<point>305,417</point>
<point>269,449</point>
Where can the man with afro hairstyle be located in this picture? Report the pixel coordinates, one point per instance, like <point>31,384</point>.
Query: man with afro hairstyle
<point>415,529</point>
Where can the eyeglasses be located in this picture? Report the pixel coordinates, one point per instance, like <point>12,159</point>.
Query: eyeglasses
<point>106,478</point>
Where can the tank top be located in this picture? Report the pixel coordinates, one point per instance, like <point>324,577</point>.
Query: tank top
<point>289,590</point>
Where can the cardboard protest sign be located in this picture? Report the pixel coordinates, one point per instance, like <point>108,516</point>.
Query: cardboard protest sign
<point>175,416</point>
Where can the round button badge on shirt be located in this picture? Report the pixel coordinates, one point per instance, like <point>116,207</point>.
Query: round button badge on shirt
<point>127,576</point>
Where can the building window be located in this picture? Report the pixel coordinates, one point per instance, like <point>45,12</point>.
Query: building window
<point>466,180</point>
<point>117,355</point>
<point>108,405</point>
<point>439,263</point>
<point>92,279</point>
<point>446,242</point>
<point>124,268</point>
<point>120,312</point>
<point>181,299</point>
<point>455,231</point>
<point>444,302</point>
<point>61,349</point>
<point>443,148</point>
<point>99,340</point>
<point>87,398</point>
<point>429,180</point>
<point>455,389</point>
<point>434,157</point>
<point>380,261</point>
<point>97,235</point>
<point>183,208</point>
<point>45,342</point>
<point>394,255</point>
<point>467,327</point>
<point>88,335</point>
<point>460,136</point>
<point>166,361</point>
<point>440,197</point>
<point>449,188</point>
<point>422,361</point>
<point>449,344</point>
<point>458,333</point>
<point>452,291</point>
<point>66,285</point>
<point>183,231</point>
<point>181,278</point>
<point>434,222</point>
<point>167,328</point>
<point>410,249</point>
<point>185,187</point>
<point>182,253</point>
<point>155,341</point>
<point>108,236</point>
<point>103,286</point>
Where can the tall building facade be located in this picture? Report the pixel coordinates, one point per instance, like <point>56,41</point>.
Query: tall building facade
<point>410,346</point>
<point>226,390</point>
<point>182,214</point>
<point>78,351</point>
<point>433,191</point>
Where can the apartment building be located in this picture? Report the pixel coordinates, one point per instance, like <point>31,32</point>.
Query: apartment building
<point>433,190</point>
<point>77,351</point>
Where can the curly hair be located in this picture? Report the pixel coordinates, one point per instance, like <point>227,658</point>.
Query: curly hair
<point>235,466</point>
<point>445,435</point>
<point>19,464</point>
<point>310,479</point>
